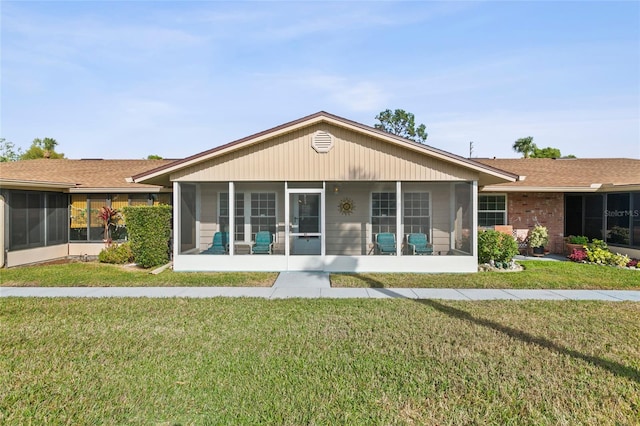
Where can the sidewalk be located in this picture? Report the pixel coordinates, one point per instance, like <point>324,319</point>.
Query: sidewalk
<point>290,292</point>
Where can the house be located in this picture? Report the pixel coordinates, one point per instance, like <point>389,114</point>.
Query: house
<point>48,207</point>
<point>322,189</point>
<point>598,198</point>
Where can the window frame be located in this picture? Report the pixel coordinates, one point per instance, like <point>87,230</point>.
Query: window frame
<point>505,212</point>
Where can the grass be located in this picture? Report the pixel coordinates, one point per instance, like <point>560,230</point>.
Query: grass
<point>249,361</point>
<point>94,274</point>
<point>537,274</point>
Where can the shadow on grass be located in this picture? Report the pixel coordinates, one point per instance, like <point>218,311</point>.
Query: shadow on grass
<point>613,367</point>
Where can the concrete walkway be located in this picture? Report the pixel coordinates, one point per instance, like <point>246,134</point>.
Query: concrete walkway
<point>289,292</point>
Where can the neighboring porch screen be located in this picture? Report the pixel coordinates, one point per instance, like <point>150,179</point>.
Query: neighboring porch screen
<point>463,219</point>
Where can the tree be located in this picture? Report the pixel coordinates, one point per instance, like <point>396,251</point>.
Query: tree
<point>153,157</point>
<point>42,148</point>
<point>525,146</point>
<point>401,123</point>
<point>547,152</point>
<point>8,151</point>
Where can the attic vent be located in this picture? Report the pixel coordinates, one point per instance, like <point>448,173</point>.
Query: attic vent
<point>322,141</point>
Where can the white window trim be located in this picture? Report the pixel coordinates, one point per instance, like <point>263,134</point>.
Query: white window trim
<point>506,206</point>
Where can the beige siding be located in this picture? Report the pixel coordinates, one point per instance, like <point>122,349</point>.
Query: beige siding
<point>348,235</point>
<point>441,218</point>
<point>353,157</point>
<point>209,212</point>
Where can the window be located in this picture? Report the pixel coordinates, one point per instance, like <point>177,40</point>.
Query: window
<point>57,219</point>
<point>96,225</point>
<point>84,210</point>
<point>383,212</point>
<point>223,218</point>
<point>263,212</point>
<point>417,218</point>
<point>492,210</point>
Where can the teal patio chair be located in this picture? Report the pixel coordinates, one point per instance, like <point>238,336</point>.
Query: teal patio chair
<point>263,244</point>
<point>386,243</point>
<point>419,244</point>
<point>220,244</point>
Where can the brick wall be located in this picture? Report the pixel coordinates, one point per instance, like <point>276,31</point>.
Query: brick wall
<point>525,210</point>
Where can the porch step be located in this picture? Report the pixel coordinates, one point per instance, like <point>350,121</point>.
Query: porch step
<point>303,280</point>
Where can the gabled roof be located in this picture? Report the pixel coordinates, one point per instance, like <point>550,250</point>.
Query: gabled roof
<point>161,173</point>
<point>78,175</point>
<point>568,175</point>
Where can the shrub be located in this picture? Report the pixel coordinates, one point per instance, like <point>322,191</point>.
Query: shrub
<point>149,230</point>
<point>620,260</point>
<point>598,252</point>
<point>578,239</point>
<point>633,263</point>
<point>116,253</point>
<point>496,246</point>
<point>538,236</point>
<point>578,255</point>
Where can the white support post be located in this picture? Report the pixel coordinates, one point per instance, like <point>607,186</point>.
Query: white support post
<point>323,219</point>
<point>176,219</point>
<point>287,215</point>
<point>232,218</point>
<point>474,215</point>
<point>399,230</point>
<point>454,215</point>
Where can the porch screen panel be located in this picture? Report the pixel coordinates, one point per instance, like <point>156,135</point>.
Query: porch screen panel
<point>383,212</point>
<point>57,219</point>
<point>263,213</point>
<point>223,218</point>
<point>18,221</point>
<point>26,220</point>
<point>463,219</point>
<point>417,215</point>
<point>187,217</point>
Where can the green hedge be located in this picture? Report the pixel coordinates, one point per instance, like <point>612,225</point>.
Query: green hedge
<point>496,246</point>
<point>149,230</point>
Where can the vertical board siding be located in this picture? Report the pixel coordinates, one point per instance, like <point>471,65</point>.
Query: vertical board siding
<point>354,156</point>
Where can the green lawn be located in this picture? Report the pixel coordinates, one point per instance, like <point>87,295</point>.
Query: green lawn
<point>94,274</point>
<point>249,361</point>
<point>537,274</point>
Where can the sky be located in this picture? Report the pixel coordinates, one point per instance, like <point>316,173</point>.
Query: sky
<point>128,79</point>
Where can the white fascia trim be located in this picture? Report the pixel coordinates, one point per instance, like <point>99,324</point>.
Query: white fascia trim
<point>8,183</point>
<point>502,188</point>
<point>136,190</point>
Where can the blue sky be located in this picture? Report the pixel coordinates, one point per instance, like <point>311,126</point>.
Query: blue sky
<point>127,79</point>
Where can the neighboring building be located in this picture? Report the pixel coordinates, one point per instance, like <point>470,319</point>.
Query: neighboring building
<point>598,198</point>
<point>322,187</point>
<point>50,206</point>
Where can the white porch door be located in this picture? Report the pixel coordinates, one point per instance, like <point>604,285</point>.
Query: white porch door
<point>305,242</point>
